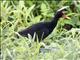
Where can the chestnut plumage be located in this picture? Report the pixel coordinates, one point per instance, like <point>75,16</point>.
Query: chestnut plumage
<point>67,26</point>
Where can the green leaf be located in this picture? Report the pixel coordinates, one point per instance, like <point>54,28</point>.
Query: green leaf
<point>29,11</point>
<point>36,19</point>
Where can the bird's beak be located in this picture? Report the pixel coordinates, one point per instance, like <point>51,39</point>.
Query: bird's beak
<point>66,17</point>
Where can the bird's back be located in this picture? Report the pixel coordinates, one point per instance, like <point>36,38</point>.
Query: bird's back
<point>40,29</point>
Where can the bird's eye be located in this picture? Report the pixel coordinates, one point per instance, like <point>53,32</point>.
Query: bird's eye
<point>64,12</point>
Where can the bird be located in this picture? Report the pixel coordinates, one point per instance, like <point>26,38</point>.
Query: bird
<point>42,29</point>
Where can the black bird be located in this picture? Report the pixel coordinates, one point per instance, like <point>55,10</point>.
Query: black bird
<point>43,29</point>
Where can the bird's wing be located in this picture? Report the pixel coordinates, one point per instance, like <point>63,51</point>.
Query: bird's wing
<point>40,30</point>
<point>42,33</point>
<point>30,30</point>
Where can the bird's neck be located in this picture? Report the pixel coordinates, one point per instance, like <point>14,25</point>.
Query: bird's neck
<point>54,21</point>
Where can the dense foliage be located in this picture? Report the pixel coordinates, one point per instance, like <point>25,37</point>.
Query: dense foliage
<point>61,44</point>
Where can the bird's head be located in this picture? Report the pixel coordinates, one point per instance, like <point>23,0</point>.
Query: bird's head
<point>62,12</point>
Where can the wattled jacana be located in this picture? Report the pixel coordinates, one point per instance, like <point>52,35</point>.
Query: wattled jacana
<point>43,29</point>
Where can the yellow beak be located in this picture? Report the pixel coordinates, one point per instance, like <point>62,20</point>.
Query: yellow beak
<point>66,17</point>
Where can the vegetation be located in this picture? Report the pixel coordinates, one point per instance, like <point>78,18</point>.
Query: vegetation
<point>17,15</point>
